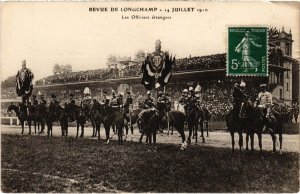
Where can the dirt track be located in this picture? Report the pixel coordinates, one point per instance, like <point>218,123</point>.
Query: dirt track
<point>215,139</point>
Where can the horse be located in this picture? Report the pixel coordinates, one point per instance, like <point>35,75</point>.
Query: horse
<point>233,122</point>
<point>23,115</point>
<point>195,116</point>
<point>80,117</point>
<point>113,117</point>
<point>274,122</point>
<point>40,116</point>
<point>256,121</point>
<point>96,118</point>
<point>151,120</point>
<point>251,122</point>
<point>133,119</point>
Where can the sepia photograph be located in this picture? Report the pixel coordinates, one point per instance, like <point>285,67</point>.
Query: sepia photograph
<point>150,96</point>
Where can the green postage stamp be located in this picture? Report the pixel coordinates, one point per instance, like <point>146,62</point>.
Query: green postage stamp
<point>247,53</point>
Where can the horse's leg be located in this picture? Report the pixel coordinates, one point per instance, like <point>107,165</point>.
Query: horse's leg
<point>259,140</point>
<point>22,125</point>
<point>67,127</point>
<point>273,140</point>
<point>280,139</point>
<point>107,131</point>
<point>154,139</point>
<point>247,139</point>
<point>232,138</point>
<point>98,125</point>
<point>48,128</point>
<point>252,140</point>
<point>29,126</point>
<point>206,125</point>
<point>82,130</point>
<point>77,125</point>
<point>241,139</point>
<point>126,131</point>
<point>202,133</point>
<point>131,128</point>
<point>190,132</point>
<point>142,135</point>
<point>196,132</point>
<point>34,123</point>
<point>181,132</point>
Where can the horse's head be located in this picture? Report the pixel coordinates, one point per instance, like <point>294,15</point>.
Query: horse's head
<point>11,108</point>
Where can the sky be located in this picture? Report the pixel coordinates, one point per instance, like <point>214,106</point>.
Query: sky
<point>67,33</point>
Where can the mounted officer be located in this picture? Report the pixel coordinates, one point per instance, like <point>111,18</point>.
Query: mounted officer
<point>149,102</point>
<point>105,100</point>
<point>264,100</point>
<point>86,104</point>
<point>115,101</point>
<point>54,104</point>
<point>239,97</point>
<point>183,100</point>
<point>69,107</point>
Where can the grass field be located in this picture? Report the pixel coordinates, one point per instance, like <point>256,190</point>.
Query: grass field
<point>41,164</point>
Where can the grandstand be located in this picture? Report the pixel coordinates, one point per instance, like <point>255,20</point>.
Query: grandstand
<point>209,71</point>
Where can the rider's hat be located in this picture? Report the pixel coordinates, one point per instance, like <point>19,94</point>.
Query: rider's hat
<point>88,97</point>
<point>243,84</point>
<point>148,92</point>
<point>71,95</point>
<point>191,88</point>
<point>185,91</point>
<point>263,85</point>
<point>53,96</point>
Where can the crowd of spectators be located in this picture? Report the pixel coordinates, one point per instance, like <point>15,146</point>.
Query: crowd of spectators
<point>216,61</point>
<point>98,74</point>
<point>8,92</point>
<point>185,64</point>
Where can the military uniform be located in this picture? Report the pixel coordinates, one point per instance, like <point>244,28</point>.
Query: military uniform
<point>239,97</point>
<point>115,102</point>
<point>149,102</point>
<point>264,100</point>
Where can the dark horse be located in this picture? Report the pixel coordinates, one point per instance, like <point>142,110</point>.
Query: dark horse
<point>195,116</point>
<point>58,114</point>
<point>113,117</point>
<point>151,120</point>
<point>23,115</point>
<point>96,118</point>
<point>251,122</point>
<point>133,119</point>
<point>234,122</point>
<point>80,118</point>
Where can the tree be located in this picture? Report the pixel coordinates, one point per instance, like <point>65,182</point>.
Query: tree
<point>111,58</point>
<point>69,68</point>
<point>140,56</point>
<point>56,69</point>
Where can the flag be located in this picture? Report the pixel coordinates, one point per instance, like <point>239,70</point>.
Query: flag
<point>159,64</point>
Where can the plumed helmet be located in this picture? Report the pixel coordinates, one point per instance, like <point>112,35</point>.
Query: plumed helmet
<point>87,91</point>
<point>243,84</point>
<point>198,88</point>
<point>191,88</point>
<point>53,96</point>
<point>185,91</point>
<point>263,85</point>
<point>148,92</point>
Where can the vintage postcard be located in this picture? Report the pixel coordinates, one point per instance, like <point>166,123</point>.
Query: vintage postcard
<point>149,96</point>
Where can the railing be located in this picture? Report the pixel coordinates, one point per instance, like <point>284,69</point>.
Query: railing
<point>11,120</point>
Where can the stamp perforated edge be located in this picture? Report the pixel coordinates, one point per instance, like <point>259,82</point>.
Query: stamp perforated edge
<point>267,51</point>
